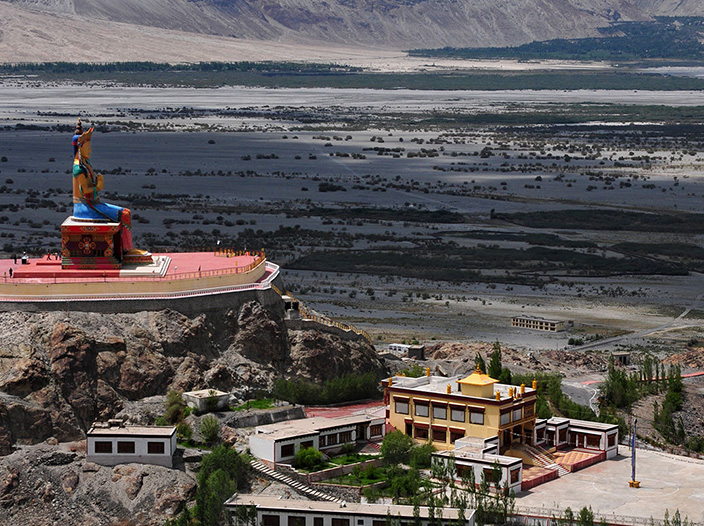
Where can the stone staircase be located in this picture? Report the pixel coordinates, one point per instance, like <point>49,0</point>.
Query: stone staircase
<point>298,486</point>
<point>543,458</point>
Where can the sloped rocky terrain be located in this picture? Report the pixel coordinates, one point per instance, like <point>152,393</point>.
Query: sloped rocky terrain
<point>60,372</point>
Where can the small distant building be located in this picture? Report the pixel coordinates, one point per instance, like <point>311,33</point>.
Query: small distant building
<point>291,307</point>
<point>206,400</point>
<point>275,511</point>
<point>622,357</point>
<point>278,443</point>
<point>113,443</point>
<point>540,324</point>
<point>399,349</point>
<point>416,352</point>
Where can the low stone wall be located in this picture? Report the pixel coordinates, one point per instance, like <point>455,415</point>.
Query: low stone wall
<point>263,417</point>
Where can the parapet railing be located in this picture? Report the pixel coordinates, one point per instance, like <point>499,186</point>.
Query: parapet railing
<point>260,259</point>
<point>535,516</point>
<point>264,284</point>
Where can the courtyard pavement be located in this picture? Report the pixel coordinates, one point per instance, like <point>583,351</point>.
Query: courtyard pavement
<point>668,482</point>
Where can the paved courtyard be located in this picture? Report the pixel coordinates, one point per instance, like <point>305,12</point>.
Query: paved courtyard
<point>667,482</point>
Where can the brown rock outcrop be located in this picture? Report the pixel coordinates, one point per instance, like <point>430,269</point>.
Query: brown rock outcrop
<point>67,373</point>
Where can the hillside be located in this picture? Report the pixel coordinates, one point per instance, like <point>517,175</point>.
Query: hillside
<point>182,29</point>
<point>59,373</point>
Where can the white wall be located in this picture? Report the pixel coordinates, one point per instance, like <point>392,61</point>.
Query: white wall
<point>140,454</point>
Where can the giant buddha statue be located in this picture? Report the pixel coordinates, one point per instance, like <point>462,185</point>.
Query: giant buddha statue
<point>91,215</point>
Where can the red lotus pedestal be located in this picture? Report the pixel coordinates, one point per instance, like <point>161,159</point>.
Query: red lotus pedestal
<point>87,244</point>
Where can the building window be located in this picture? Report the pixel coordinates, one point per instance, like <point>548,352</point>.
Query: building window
<point>401,407</point>
<point>270,520</point>
<point>489,474</point>
<point>440,435</point>
<point>103,446</point>
<point>317,521</point>
<point>420,432</point>
<point>593,441</point>
<point>345,436</point>
<point>476,418</point>
<point>375,430</point>
<point>332,439</point>
<point>528,410</point>
<point>516,414</point>
<point>360,522</point>
<point>125,447</point>
<point>505,418</point>
<point>612,440</point>
<point>287,450</point>
<point>378,523</point>
<point>456,435</point>
<point>155,448</point>
<point>296,521</point>
<point>514,475</point>
<point>440,412</point>
<point>306,445</point>
<point>422,409</point>
<point>457,415</point>
<point>340,522</point>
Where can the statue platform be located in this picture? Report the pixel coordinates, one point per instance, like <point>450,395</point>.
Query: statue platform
<point>171,275</point>
<point>90,244</point>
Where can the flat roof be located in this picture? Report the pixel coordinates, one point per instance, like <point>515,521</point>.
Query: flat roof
<point>472,454</point>
<point>310,426</point>
<point>429,385</point>
<point>204,393</point>
<point>270,502</point>
<point>135,431</point>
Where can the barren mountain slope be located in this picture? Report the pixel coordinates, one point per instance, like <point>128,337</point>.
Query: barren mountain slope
<point>35,36</point>
<point>395,24</point>
<point>671,7</point>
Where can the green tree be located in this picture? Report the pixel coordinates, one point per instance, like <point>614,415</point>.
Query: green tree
<point>586,516</point>
<point>396,448</point>
<point>421,455</point>
<point>175,407</point>
<point>495,362</point>
<point>209,429</point>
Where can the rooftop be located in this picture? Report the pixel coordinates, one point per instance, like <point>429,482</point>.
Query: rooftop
<point>430,385</point>
<point>205,393</point>
<point>115,430</point>
<point>353,508</point>
<point>309,426</point>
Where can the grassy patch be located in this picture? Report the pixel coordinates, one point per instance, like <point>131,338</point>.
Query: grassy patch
<point>351,458</point>
<point>266,403</point>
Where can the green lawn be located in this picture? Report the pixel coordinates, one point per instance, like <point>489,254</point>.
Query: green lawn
<point>264,403</point>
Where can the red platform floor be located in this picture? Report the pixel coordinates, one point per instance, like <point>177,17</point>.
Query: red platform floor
<point>182,264</point>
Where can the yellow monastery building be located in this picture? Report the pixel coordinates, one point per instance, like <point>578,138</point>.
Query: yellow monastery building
<point>480,424</point>
<point>444,410</point>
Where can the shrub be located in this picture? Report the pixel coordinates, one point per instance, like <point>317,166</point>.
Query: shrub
<point>308,458</point>
<point>209,429</point>
<point>184,432</point>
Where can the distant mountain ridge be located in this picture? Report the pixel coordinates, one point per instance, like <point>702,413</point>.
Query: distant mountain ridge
<point>387,24</point>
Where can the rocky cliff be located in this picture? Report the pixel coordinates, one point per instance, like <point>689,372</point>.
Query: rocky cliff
<point>60,372</point>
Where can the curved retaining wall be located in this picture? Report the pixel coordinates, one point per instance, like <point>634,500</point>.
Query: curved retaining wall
<point>199,297</point>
